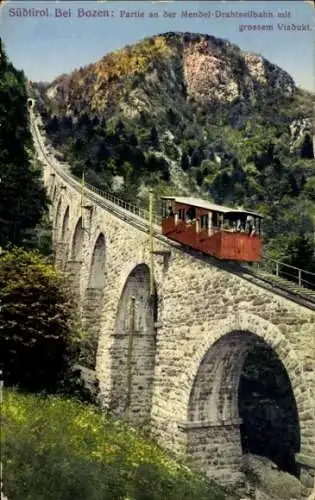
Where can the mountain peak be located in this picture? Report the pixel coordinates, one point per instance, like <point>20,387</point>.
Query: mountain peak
<point>209,70</point>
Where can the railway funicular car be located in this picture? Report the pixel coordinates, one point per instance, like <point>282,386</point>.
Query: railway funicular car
<point>223,232</point>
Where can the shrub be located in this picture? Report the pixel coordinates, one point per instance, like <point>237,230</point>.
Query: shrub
<point>35,321</point>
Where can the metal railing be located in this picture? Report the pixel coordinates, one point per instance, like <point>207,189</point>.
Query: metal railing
<point>279,270</point>
<point>128,206</point>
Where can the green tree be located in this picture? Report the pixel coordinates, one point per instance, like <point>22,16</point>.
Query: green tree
<point>185,163</point>
<point>172,117</point>
<point>196,158</point>
<point>23,197</point>
<point>307,148</point>
<point>300,252</point>
<point>36,341</point>
<point>154,138</point>
<point>310,188</point>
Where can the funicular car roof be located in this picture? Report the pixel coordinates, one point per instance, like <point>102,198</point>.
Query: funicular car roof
<point>200,203</point>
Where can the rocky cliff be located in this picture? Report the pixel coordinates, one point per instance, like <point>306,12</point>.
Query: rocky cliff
<point>168,68</point>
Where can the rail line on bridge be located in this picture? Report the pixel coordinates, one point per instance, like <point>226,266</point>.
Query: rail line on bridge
<point>138,217</point>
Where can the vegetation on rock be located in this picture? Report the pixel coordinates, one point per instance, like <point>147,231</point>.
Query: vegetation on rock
<point>157,114</point>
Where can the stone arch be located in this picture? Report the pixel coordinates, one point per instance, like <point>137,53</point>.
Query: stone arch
<point>54,193</point>
<point>61,235</point>
<point>212,407</point>
<point>77,242</point>
<point>270,424</point>
<point>65,226</point>
<point>58,219</point>
<point>74,264</point>
<point>134,348</point>
<point>97,269</point>
<point>52,186</point>
<point>93,302</point>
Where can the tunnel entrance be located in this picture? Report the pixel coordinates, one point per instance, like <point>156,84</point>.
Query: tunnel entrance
<point>267,408</point>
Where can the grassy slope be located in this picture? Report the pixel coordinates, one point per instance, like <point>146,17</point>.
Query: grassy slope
<point>61,449</point>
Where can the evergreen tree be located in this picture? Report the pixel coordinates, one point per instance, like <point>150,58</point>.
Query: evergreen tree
<point>120,128</point>
<point>307,148</point>
<point>300,253</point>
<point>23,197</point>
<point>172,117</point>
<point>154,138</point>
<point>196,158</point>
<point>133,141</point>
<point>185,163</point>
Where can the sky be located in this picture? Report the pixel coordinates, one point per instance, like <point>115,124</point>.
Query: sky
<point>45,47</point>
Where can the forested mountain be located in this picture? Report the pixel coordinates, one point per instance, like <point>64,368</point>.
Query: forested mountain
<point>22,193</point>
<point>190,113</point>
<point>182,113</point>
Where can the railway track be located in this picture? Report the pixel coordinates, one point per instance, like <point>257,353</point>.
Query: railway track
<point>135,216</point>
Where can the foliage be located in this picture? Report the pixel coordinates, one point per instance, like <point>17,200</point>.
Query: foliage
<point>133,60</point>
<point>254,151</point>
<point>23,198</point>
<point>294,250</point>
<point>58,448</point>
<point>40,238</point>
<point>36,330</point>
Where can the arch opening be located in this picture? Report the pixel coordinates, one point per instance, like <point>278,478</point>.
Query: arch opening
<point>242,390</point>
<point>58,219</point>
<point>93,303</point>
<point>65,226</point>
<point>270,422</point>
<point>54,193</point>
<point>97,271</point>
<point>134,349</point>
<point>52,188</point>
<point>77,241</point>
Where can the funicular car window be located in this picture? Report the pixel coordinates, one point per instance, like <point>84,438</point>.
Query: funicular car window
<point>181,214</point>
<point>215,219</point>
<point>204,221</point>
<point>191,213</point>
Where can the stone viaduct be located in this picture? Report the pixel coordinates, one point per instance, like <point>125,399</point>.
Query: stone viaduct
<point>181,372</point>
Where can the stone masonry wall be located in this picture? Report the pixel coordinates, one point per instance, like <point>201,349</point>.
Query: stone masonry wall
<point>219,447</point>
<point>198,305</point>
